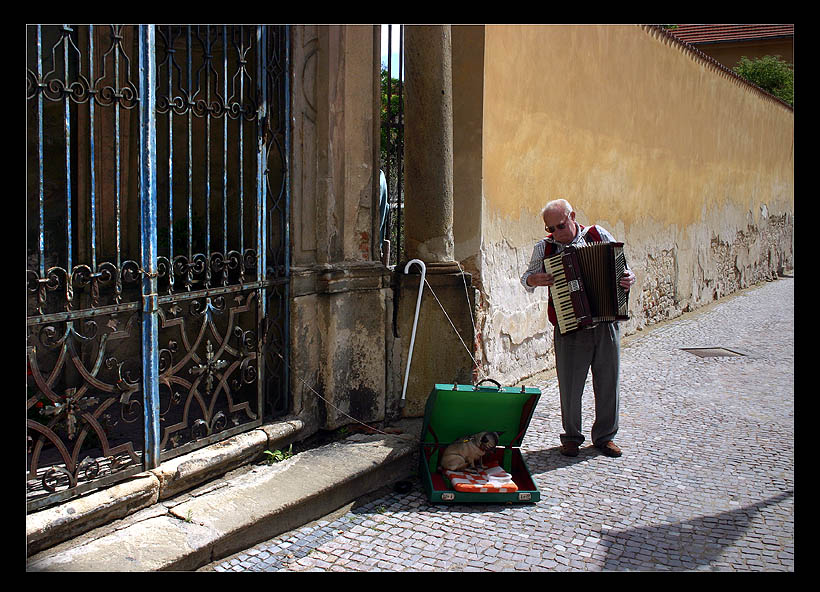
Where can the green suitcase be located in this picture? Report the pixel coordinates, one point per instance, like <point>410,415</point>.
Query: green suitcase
<point>454,411</point>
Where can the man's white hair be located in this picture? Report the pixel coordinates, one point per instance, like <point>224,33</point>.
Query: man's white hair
<point>560,205</point>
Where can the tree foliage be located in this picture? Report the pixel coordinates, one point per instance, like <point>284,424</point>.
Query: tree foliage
<point>771,73</point>
<point>392,133</point>
<point>389,112</point>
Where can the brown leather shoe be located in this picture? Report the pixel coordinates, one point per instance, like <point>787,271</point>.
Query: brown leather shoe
<point>610,449</point>
<point>569,448</point>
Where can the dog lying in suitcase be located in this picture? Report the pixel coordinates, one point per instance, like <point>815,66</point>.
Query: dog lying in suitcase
<point>462,462</point>
<point>485,465</point>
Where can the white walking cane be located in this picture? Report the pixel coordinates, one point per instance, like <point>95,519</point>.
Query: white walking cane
<point>415,322</point>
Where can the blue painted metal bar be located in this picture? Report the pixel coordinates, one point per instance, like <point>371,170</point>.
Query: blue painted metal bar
<point>93,193</point>
<point>261,211</point>
<point>241,122</point>
<point>261,155</point>
<point>118,164</point>
<point>286,214</point>
<point>68,196</point>
<point>190,156</point>
<point>208,65</point>
<point>171,54</point>
<point>148,227</point>
<point>40,194</point>
<point>225,148</point>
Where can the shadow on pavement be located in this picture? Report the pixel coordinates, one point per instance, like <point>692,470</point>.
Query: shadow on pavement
<point>691,543</point>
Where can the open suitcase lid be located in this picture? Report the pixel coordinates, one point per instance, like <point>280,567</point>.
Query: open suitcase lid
<point>456,410</point>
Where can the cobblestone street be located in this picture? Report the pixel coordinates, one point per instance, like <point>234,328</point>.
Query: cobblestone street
<point>705,483</point>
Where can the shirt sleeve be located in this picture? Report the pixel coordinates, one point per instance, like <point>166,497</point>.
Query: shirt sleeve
<point>536,265</point>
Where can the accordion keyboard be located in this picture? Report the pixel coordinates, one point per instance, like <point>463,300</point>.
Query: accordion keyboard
<point>561,291</point>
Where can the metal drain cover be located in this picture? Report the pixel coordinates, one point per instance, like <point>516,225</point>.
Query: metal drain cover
<point>712,352</point>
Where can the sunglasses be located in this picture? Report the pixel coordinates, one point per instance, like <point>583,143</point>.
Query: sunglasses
<point>560,226</point>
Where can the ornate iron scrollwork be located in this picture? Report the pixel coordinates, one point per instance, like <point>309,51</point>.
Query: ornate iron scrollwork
<point>85,280</point>
<point>74,393</point>
<point>208,367</point>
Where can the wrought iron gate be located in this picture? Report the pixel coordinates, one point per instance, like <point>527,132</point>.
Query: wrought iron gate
<point>157,245</point>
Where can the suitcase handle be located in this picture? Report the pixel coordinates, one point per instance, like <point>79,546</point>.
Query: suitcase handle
<point>495,382</point>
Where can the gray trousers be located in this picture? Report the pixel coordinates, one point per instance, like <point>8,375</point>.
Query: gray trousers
<point>598,348</point>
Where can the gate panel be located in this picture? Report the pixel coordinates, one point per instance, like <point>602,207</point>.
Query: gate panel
<point>149,278</point>
<point>210,118</point>
<point>85,403</point>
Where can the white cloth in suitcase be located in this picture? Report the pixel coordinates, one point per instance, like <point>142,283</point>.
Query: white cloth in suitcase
<point>493,479</point>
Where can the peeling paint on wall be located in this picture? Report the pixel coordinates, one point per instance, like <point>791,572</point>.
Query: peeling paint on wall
<point>517,337</point>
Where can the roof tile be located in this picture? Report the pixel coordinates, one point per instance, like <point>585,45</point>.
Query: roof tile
<point>696,34</point>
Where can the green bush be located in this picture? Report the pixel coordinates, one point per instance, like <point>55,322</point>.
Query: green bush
<point>770,73</point>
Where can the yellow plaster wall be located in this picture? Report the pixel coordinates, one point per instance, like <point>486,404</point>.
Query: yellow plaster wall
<point>626,126</point>
<point>688,166</point>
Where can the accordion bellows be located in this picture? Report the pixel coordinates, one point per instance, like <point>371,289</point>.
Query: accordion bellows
<point>586,286</point>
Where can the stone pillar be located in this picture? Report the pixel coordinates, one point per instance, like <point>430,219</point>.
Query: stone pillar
<point>440,355</point>
<point>428,149</point>
<point>339,294</point>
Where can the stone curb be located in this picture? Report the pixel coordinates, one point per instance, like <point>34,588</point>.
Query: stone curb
<point>244,508</point>
<point>60,523</point>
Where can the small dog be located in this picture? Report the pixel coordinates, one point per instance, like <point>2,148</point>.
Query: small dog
<point>468,451</point>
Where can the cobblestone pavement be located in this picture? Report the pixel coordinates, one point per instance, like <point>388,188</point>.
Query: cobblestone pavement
<point>706,481</point>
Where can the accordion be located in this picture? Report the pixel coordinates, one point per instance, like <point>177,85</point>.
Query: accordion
<point>586,289</point>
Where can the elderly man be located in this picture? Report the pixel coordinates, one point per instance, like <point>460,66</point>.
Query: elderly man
<point>597,347</point>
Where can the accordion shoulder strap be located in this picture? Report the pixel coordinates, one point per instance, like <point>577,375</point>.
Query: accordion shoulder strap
<point>594,235</point>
